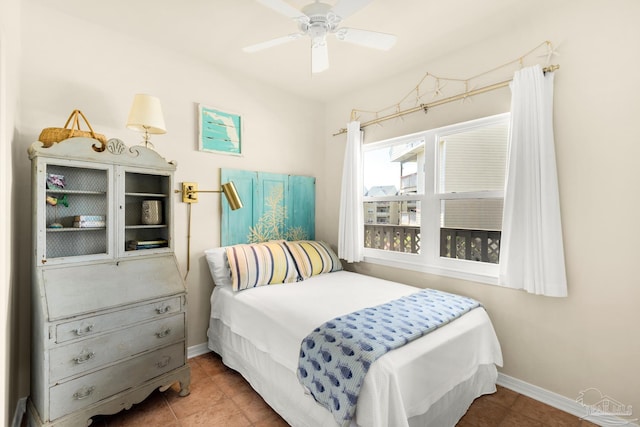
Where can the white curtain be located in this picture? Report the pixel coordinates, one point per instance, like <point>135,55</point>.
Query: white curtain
<point>531,250</point>
<point>351,226</point>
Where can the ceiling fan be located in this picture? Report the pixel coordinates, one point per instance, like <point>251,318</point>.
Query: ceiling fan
<point>319,19</point>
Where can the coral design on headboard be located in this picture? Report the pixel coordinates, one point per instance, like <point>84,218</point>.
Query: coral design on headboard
<point>271,225</point>
<point>276,206</point>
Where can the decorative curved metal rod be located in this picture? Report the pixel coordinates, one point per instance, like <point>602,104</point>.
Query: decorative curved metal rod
<point>426,107</point>
<point>440,82</point>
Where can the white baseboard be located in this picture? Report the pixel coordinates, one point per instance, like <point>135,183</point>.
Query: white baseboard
<point>561,402</point>
<point>197,350</point>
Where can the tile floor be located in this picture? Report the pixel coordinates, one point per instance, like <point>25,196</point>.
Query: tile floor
<point>221,397</point>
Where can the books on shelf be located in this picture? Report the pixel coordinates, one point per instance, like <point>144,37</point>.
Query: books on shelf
<point>89,221</point>
<point>134,245</point>
<point>89,224</point>
<point>89,218</point>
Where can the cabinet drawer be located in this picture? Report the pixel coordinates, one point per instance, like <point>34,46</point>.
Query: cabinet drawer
<point>105,322</point>
<point>76,394</point>
<point>91,353</point>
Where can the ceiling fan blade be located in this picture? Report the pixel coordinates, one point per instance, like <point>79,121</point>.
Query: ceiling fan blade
<point>319,57</point>
<point>345,8</point>
<point>372,39</point>
<point>283,8</point>
<point>272,43</point>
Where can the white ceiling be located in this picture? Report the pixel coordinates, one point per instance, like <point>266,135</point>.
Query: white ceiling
<point>216,30</point>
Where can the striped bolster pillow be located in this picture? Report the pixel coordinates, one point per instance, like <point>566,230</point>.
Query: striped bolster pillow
<point>313,257</point>
<point>259,264</point>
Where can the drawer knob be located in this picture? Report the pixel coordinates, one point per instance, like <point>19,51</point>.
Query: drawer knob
<point>85,330</point>
<point>84,357</point>
<point>164,309</point>
<point>164,333</point>
<point>83,393</point>
<point>163,362</point>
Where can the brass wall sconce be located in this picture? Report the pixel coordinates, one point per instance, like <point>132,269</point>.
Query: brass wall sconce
<point>190,193</point>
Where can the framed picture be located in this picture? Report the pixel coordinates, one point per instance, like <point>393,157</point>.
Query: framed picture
<point>220,131</point>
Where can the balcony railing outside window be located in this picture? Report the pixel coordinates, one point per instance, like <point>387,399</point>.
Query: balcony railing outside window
<point>473,245</point>
<point>397,238</point>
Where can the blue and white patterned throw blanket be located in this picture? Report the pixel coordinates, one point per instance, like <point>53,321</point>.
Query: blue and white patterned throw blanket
<point>335,357</point>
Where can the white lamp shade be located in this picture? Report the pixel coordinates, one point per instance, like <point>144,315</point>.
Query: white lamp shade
<point>146,115</point>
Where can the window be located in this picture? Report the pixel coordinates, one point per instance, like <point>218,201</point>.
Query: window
<point>433,200</point>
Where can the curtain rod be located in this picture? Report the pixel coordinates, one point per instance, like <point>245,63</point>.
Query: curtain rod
<point>425,107</point>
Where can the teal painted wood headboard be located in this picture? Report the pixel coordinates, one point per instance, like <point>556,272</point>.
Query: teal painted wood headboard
<point>275,206</point>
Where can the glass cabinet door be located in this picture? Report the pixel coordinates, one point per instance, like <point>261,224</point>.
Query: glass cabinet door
<point>76,219</point>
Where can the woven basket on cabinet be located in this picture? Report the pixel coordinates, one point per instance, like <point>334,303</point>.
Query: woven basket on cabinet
<point>50,136</point>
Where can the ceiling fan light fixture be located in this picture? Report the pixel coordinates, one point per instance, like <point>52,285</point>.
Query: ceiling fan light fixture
<point>317,31</point>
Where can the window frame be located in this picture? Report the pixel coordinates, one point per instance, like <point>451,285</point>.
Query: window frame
<point>429,260</point>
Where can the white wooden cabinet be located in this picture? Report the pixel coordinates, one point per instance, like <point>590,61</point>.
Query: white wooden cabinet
<point>108,300</point>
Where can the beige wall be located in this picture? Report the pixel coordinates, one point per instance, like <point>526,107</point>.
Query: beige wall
<point>9,306</point>
<point>589,339</point>
<point>68,64</point>
<point>563,345</point>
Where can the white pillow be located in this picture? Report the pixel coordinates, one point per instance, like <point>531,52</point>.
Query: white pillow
<point>219,266</point>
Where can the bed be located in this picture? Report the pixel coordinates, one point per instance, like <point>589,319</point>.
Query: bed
<point>258,331</point>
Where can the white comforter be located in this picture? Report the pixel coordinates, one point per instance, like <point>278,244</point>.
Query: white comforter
<point>401,384</point>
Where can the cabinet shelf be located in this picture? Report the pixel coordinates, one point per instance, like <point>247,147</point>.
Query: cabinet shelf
<point>79,192</point>
<point>137,227</point>
<point>145,195</point>
<point>73,229</point>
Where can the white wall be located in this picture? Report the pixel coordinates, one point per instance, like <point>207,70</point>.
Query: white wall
<point>68,64</point>
<point>589,339</point>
